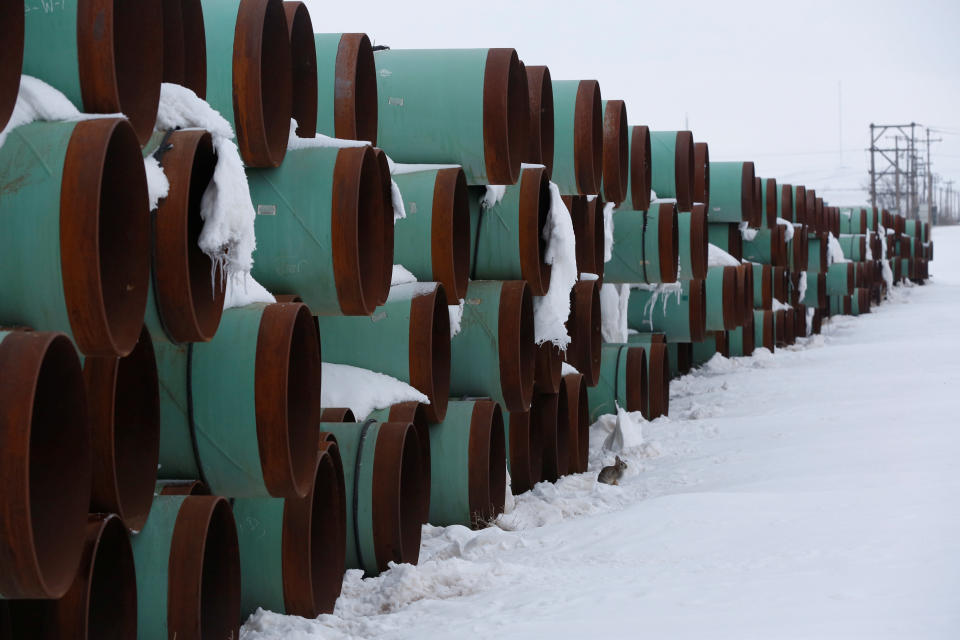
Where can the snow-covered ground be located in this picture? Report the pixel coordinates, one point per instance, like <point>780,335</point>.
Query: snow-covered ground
<point>814,493</point>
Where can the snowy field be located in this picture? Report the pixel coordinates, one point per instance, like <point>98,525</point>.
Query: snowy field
<point>814,493</point>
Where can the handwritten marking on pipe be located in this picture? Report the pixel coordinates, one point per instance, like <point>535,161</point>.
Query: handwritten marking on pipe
<point>47,6</point>
<point>266,209</point>
<point>397,102</point>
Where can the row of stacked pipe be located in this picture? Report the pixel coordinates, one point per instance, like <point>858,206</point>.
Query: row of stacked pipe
<point>167,465</point>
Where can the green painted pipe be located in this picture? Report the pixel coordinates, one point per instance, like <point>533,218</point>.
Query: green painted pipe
<point>914,229</point>
<point>384,488</point>
<point>454,106</point>
<point>658,372</point>
<point>672,162</point>
<point>693,243</point>
<point>762,286</point>
<point>767,247</point>
<point>407,338</point>
<point>860,302</point>
<point>817,253</point>
<point>623,381</point>
<point>854,246</point>
<point>346,86</point>
<point>704,350</point>
<point>777,202</point>
<point>853,220</point>
<point>816,293</point>
<point>436,202</point>
<point>721,298</point>
<point>324,223</point>
<point>508,239</point>
<point>742,340</point>
<point>840,278</point>
<point>615,172</point>
<point>188,569</point>
<point>80,262</point>
<point>494,354</point>
<point>680,354</point>
<point>763,335</point>
<point>104,57</point>
<point>731,191</point>
<point>645,246</point>
<point>640,173</point>
<point>840,305</point>
<point>578,137</point>
<point>727,236</point>
<point>681,317</point>
<point>469,464</point>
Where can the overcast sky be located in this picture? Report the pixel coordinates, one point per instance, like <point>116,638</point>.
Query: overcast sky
<point>757,80</point>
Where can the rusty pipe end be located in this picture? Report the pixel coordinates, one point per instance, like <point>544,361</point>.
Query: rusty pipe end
<point>543,411</point>
<point>747,187</point>
<point>416,414</point>
<point>668,241</point>
<point>658,372</point>
<point>745,289</point>
<point>450,232</point>
<point>698,310</point>
<point>337,414</point>
<point>399,493</point>
<point>598,236</point>
<point>487,463</point>
<point>767,335</point>
<point>526,451</point>
<point>616,151</point>
<point>684,357</point>
<point>584,326</point>
<point>429,352</point>
<point>547,374</point>
<point>540,87</point>
<point>766,287</point>
<point>582,216</point>
<point>641,167</point>
<point>183,488</point>
<point>786,202</point>
<point>506,116</point>
<point>534,213</point>
<point>383,201</point>
<point>699,241</point>
<point>588,137</point>
<point>701,173</point>
<point>355,95</point>
<point>770,203</point>
<point>684,169</point>
<point>11,57</point>
<point>757,219</point>
<point>516,345</point>
<point>185,45</point>
<point>574,391</point>
<point>638,396</point>
<point>303,70</point>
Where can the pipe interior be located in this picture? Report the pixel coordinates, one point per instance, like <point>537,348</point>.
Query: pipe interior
<point>374,219</point>
<point>543,411</point>
<point>303,402</point>
<point>138,60</point>
<point>220,581</point>
<point>439,356</point>
<point>644,174</point>
<point>362,72</point>
<point>173,41</point>
<point>746,192</point>
<point>497,464</point>
<point>527,347</point>
<point>699,244</point>
<point>386,195</point>
<point>413,493</point>
<point>596,216</point>
<point>685,169</point>
<point>276,79</point>
<point>638,398</point>
<point>563,434</point>
<point>460,225</point>
<point>303,53</point>
<point>112,595</point>
<point>194,47</point>
<point>698,310</point>
<point>543,215</point>
<point>327,554</point>
<point>518,112</point>
<point>596,139</point>
<point>546,121</point>
<point>583,424</point>
<point>207,287</point>
<point>337,414</point>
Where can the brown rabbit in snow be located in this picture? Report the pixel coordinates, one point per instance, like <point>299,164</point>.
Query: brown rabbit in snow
<point>612,474</point>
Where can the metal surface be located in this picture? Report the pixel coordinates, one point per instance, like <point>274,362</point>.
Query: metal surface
<point>840,279</point>
<point>638,187</point>
<point>701,174</point>
<point>548,369</point>
<point>11,56</point>
<point>762,286</point>
<point>578,137</point>
<point>587,217</point>
<point>573,390</point>
<point>763,333</point>
<point>346,86</point>
<point>546,410</point>
<point>524,450</point>
<point>616,151</point>
<point>731,191</point>
<point>742,340</point>
<point>658,373</point>
<point>674,166</point>
<point>540,147</point>
<point>693,245</point>
<point>682,318</point>
<point>584,327</point>
<point>721,295</point>
<point>623,381</point>
<point>645,246</point>
<point>303,69</point>
<point>184,45</point>
<point>767,247</point>
<point>416,414</point>
<point>727,236</point>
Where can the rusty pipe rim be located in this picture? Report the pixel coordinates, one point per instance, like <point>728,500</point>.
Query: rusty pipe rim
<point>701,173</point>
<point>487,464</point>
<point>582,214</point>
<point>822,245</point>
<point>588,137</point>
<point>731,308</point>
<point>517,349</point>
<point>526,451</point>
<point>429,350</point>
<point>638,397</point>
<point>780,283</point>
<point>778,245</point>
<point>767,336</point>
<point>746,192</point>
<point>548,370</point>
<point>188,297</point>
<point>362,216</point>
<point>416,414</point>
<point>851,277</point>
<point>544,412</point>
<point>668,241</point>
<point>699,241</point>
<point>745,286</point>
<point>790,329</point>
<point>329,446</point>
<point>641,167</point>
<point>287,404</point>
<point>684,169</point>
<point>735,242</point>
<point>534,211</point>
<point>568,459</point>
<point>540,87</point>
<point>697,311</point>
<point>658,372</point>
<point>575,391</point>
<point>337,414</point>
<point>810,205</point>
<point>182,488</point>
<point>800,205</point>
<point>749,338</point>
<point>721,341</point>
<point>104,237</point>
<point>780,326</point>
<point>312,561</point>
<point>615,151</point>
<point>770,203</point>
<point>45,457</point>
<point>355,94</point>
<point>303,68</point>
<point>506,116</point>
<point>398,495</point>
<point>800,321</point>
<point>598,235</point>
<point>757,218</point>
<point>203,575</point>
<point>584,326</point>
<point>11,56</point>
<point>185,45</point>
<point>123,399</point>
<point>786,202</point>
<point>450,232</point>
<point>122,72</point>
<point>766,287</point>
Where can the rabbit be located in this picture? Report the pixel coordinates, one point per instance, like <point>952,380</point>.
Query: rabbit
<point>612,473</point>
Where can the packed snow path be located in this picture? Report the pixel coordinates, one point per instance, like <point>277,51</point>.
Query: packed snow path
<point>814,493</point>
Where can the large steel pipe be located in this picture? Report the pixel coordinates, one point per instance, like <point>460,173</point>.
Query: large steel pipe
<point>508,236</point>
<point>408,338</point>
<point>80,262</point>
<point>799,205</point>
<point>745,292</point>
<point>658,373</point>
<point>104,56</point>
<point>756,220</point>
<point>416,413</point>
<point>577,136</point>
<point>860,301</point>
<point>674,167</point>
<point>185,45</point>
<point>549,368</point>
<point>584,326</point>
<point>854,246</point>
<point>638,188</point>
<point>250,74</point>
<point>11,56</point>
<point>781,284</point>
<point>555,427</point>
<point>841,279</point>
<point>854,220</point>
<point>623,381</point>
<point>722,308</point>
<point>573,391</point>
<point>303,69</point>
<point>646,245</point>
<point>587,216</point>
<point>693,246</point>
<point>540,88</point>
<point>682,318</point>
<point>731,191</point>
<point>701,174</point>
<point>292,551</point>
<point>524,441</point>
<point>616,151</point>
<point>774,201</point>
<point>455,106</point>
<point>188,569</point>
<point>385,491</point>
<point>346,85</point>
<point>816,293</point>
<point>324,228</point>
<point>742,340</point>
<point>763,333</point>
<point>252,433</point>
<point>783,327</point>
<point>43,426</point>
<point>727,236</point>
<point>762,286</point>
<point>817,252</point>
<point>469,465</point>
<point>798,248</point>
<point>768,246</point>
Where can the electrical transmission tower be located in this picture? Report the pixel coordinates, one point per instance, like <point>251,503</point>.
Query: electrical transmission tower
<point>896,172</point>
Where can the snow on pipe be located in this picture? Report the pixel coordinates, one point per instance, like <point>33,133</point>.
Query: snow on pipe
<point>258,423</point>
<point>731,192</point>
<point>727,236</point>
<point>524,450</point>
<point>408,338</point>
<point>517,220</point>
<point>498,313</point>
<point>573,391</point>
<point>187,564</point>
<point>645,246</point>
<point>540,87</point>
<point>101,604</point>
<point>293,551</point>
<point>436,109</point>
<point>768,246</point>
<point>438,208</point>
<point>816,293</point>
<point>385,492</point>
<point>468,484</point>
<point>578,136</point>
<point>548,369</point>
<point>119,72</point>
<point>723,310</point>
<point>701,174</point>
<point>11,56</point>
<point>745,288</point>
<point>416,413</point>
<point>639,177</point>
<point>43,425</point>
<point>324,217</point>
<point>763,335</point>
<point>658,373</point>
<point>762,286</point>
<point>182,307</point>
<point>584,326</point>
<point>346,86</point>
<point>841,278</point>
<point>622,381</point>
<point>673,166</point>
<point>616,151</point>
<point>682,318</point>
<point>123,401</point>
<point>693,243</point>
<point>185,45</point>
<point>249,77</point>
<point>555,427</point>
<point>742,340</point>
<point>303,69</point>
<point>80,263</point>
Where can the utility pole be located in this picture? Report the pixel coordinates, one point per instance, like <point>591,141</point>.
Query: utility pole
<point>896,170</point>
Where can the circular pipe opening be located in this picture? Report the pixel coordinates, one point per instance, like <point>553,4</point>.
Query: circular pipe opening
<point>786,202</point>
<point>104,236</point>
<point>543,411</point>
<point>540,86</point>
<point>534,211</point>
<point>735,241</point>
<point>123,397</point>
<point>565,450</point>
<point>581,216</point>
<point>287,403</point>
<point>588,137</point>
<point>684,357</point>
<point>757,220</point>
<point>526,451</point>
<point>328,445</point>
<point>766,334</point>
<point>549,367</point>
<point>745,284</point>
<point>429,350</point>
<point>584,326</point>
<point>658,370</point>
<point>800,205</point>
<point>355,94</point>
<point>337,414</point>
<point>748,336</point>
<point>684,169</point>
<point>638,398</point>
<point>746,192</point>
<point>770,203</point>
<point>766,287</point>
<point>668,241</point>
<point>385,194</point>
<point>701,173</point>
<point>185,45</point>
<point>698,311</point>
<point>303,70</point>
<point>699,241</point>
<point>517,349</point>
<point>416,414</point>
<point>450,232</point>
<point>616,151</point>
<point>497,469</point>
<point>487,464</point>
<point>722,341</point>
<point>398,496</point>
<point>575,390</point>
<point>11,57</point>
<point>183,488</point>
<point>107,585</point>
<point>506,115</point>
<point>640,167</point>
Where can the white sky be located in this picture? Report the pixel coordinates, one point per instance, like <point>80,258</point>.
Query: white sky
<point>757,80</point>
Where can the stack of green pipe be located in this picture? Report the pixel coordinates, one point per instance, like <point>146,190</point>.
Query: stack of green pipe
<point>671,157</point>
<point>691,243</point>
<point>813,295</point>
<point>914,229</point>
<point>726,236</point>
<point>840,305</point>
<point>814,253</point>
<point>854,246</point>
<point>575,129</point>
<point>854,220</point>
<point>623,380</point>
<point>762,248</point>
<point>742,340</point>
<point>731,191</point>
<point>762,285</point>
<point>637,247</point>
<point>721,288</point>
<point>679,316</point>
<point>840,279</point>
<point>784,202</point>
